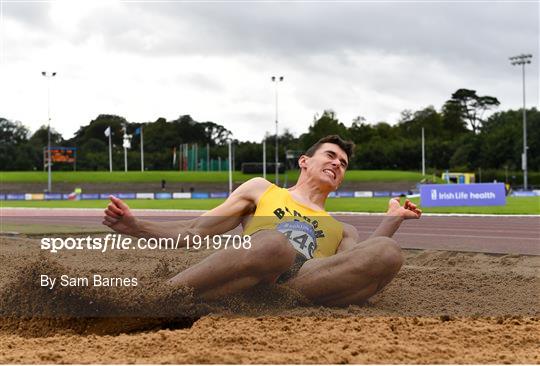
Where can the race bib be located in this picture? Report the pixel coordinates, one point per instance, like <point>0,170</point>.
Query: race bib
<point>301,235</point>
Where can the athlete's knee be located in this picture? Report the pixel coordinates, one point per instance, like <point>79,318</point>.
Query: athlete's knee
<point>388,254</point>
<point>270,252</point>
<point>382,258</point>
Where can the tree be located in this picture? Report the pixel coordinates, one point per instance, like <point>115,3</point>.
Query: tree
<point>410,125</point>
<point>12,132</point>
<point>452,121</point>
<point>467,155</point>
<point>15,152</point>
<point>217,134</point>
<point>93,155</point>
<point>96,129</point>
<point>503,140</point>
<point>40,137</point>
<point>385,132</point>
<point>327,124</point>
<point>472,106</point>
<point>360,132</point>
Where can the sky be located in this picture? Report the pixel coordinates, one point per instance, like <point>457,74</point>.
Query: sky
<point>214,60</point>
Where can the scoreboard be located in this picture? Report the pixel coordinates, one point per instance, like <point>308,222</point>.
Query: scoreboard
<point>60,154</point>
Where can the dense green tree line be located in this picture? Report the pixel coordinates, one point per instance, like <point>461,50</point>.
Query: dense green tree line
<point>457,138</point>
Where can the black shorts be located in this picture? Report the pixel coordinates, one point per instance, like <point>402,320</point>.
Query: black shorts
<point>299,260</point>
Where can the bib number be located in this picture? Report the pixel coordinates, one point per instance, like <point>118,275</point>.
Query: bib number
<point>301,236</point>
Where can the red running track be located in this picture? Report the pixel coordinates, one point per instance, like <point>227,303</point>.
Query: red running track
<point>486,234</point>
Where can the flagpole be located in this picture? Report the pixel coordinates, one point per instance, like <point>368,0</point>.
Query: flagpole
<point>110,154</point>
<point>142,150</point>
<point>125,148</point>
<point>110,150</point>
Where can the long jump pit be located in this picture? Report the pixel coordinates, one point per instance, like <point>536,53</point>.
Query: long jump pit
<point>114,307</point>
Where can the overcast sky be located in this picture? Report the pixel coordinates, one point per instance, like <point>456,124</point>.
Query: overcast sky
<point>213,60</point>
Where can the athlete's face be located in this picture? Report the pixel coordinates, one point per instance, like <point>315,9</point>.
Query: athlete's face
<point>328,165</point>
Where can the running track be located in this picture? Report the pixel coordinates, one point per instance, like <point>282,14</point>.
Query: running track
<point>471,233</point>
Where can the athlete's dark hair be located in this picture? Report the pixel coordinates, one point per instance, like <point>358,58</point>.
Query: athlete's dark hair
<point>347,146</point>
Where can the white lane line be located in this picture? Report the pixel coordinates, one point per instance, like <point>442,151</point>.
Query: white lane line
<point>344,213</point>
<point>351,213</point>
<point>462,236</point>
<point>407,229</point>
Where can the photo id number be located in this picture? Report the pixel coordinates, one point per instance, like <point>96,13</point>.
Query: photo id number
<point>197,242</point>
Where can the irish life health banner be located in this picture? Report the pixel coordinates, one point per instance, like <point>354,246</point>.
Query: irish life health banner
<point>479,194</point>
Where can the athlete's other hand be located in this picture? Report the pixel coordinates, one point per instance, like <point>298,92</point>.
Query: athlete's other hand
<point>118,217</point>
<point>408,211</point>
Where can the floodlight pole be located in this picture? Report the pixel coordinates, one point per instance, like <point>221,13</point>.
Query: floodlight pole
<point>49,76</point>
<point>276,80</point>
<point>264,157</point>
<point>522,60</point>
<point>423,154</point>
<point>142,149</point>
<point>230,166</point>
<point>264,153</point>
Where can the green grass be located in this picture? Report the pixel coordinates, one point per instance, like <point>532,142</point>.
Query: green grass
<point>514,205</point>
<point>175,176</point>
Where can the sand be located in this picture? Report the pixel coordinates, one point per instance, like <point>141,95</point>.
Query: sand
<point>443,307</point>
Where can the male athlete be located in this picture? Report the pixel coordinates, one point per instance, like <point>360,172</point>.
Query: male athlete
<point>294,241</point>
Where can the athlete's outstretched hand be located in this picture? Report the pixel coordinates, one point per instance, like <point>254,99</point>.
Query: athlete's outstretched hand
<point>408,211</point>
<point>118,217</point>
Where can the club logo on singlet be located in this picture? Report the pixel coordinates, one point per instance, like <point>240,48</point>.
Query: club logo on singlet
<point>280,214</point>
<point>301,235</point>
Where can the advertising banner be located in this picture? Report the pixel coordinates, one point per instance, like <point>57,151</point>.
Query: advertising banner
<point>126,196</point>
<point>366,194</point>
<point>90,196</point>
<point>52,196</point>
<point>163,196</point>
<point>199,195</point>
<point>523,194</point>
<point>34,196</point>
<point>144,196</point>
<point>15,196</point>
<point>181,195</point>
<point>479,194</point>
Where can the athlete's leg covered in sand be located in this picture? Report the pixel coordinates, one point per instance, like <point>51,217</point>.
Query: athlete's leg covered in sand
<point>231,270</point>
<point>351,276</point>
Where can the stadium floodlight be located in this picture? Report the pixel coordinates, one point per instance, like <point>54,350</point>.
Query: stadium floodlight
<point>276,80</point>
<point>266,134</point>
<point>523,60</point>
<point>49,76</point>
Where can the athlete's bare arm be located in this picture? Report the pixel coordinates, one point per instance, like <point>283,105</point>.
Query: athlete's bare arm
<point>350,238</point>
<point>390,224</point>
<point>395,216</point>
<point>219,220</point>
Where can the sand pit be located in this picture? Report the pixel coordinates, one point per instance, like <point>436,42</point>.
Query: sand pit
<point>444,307</point>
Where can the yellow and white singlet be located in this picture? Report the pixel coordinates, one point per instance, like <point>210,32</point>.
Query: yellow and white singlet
<point>314,234</point>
